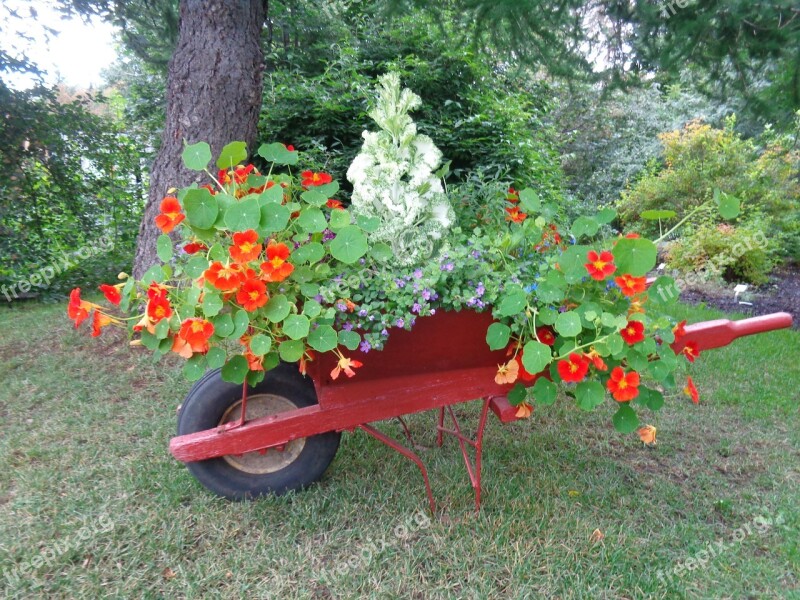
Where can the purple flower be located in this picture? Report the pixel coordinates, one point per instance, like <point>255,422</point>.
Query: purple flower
<point>347,326</point>
<point>416,308</point>
<point>365,346</point>
<point>480,290</point>
<point>362,312</point>
<point>471,302</point>
<point>341,306</point>
<point>328,235</point>
<point>318,298</point>
<point>433,311</point>
<point>400,322</point>
<point>447,267</point>
<point>418,273</point>
<point>476,254</point>
<point>426,294</point>
<point>385,333</point>
<point>400,283</point>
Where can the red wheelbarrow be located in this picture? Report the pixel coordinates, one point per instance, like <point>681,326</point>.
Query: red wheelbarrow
<point>283,433</point>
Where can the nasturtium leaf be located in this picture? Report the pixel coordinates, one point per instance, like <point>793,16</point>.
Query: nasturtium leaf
<point>664,290</point>
<point>212,304</point>
<point>218,252</point>
<point>149,341</point>
<point>153,274</point>
<point>634,256</point>
<point>277,309</point>
<point>260,344</point>
<point>657,215</point>
<point>381,252</point>
<point>273,359</point>
<point>235,370</point>
<point>164,248</point>
<point>195,266</point>
<point>340,219</point>
<point>312,220</point>
<point>572,263</point>
<point>201,208</point>
<point>349,245</point>
<point>309,290</point>
<point>278,154</point>
<point>323,338</point>
<point>605,216</point>
<point>589,394</point>
<point>303,274</point>
<point>517,395</point>
<point>255,377</point>
<point>544,391</point>
<point>547,316</point>
<point>529,200</point>
<point>569,324</point>
<point>513,301</point>
<point>615,343</point>
<point>195,367</point>
<point>223,325</point>
<point>536,356</point>
<point>329,189</point>
<point>547,291</point>
<point>625,419</point>
<point>652,399</point>
<point>314,197</point>
<point>349,339</point>
<point>215,357</point>
<point>272,195</point>
<point>241,321</point>
<point>243,215</point>
<point>291,350</point>
<point>196,156</point>
<point>497,336</point>
<point>296,326</point>
<point>608,319</point>
<point>274,217</point>
<point>311,308</point>
<point>585,226</point>
<point>308,253</point>
<point>637,360</point>
<point>232,154</point>
<point>728,206</point>
<point>166,271</point>
<point>192,296</point>
<point>368,224</point>
<point>162,329</point>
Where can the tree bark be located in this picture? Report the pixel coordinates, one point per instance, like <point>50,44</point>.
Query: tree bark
<point>214,92</point>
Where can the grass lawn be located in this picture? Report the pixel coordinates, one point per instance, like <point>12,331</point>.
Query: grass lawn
<point>92,505</point>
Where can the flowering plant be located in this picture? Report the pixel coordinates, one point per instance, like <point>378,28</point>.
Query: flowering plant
<point>274,267</point>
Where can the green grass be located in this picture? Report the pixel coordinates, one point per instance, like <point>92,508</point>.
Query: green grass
<point>87,479</point>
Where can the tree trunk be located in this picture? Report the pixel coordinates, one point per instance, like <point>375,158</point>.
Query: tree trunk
<point>213,95</point>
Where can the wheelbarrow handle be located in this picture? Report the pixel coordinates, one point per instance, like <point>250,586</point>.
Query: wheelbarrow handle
<point>721,332</point>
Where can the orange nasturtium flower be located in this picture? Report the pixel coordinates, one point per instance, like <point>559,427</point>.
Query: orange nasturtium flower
<point>245,246</point>
<point>99,321</point>
<point>574,368</point>
<point>77,309</point>
<point>196,333</point>
<point>630,285</point>
<point>515,215</point>
<point>691,351</point>
<point>310,178</point>
<point>225,278</point>
<point>647,434</point>
<point>238,174</point>
<point>111,293</point>
<point>546,335</point>
<point>276,268</point>
<point>623,386</point>
<point>633,332</point>
<point>600,265</point>
<point>691,391</point>
<point>335,204</point>
<point>158,307</point>
<point>524,411</point>
<point>347,365</point>
<point>252,295</point>
<point>507,373</point>
<point>170,216</point>
<point>194,247</point>
<point>596,359</point>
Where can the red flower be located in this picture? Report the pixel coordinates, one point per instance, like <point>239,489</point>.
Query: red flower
<point>276,268</point>
<point>632,236</point>
<point>195,332</point>
<point>194,247</point>
<point>290,148</point>
<point>514,215</point>
<point>347,365</point>
<point>600,265</point>
<point>77,309</point>
<point>99,321</point>
<point>310,178</point>
<point>597,360</point>
<point>111,293</point>
<point>158,307</point>
<point>238,174</point>
<point>691,391</point>
<point>170,216</point>
<point>546,335</point>
<point>630,286</point>
<point>633,332</point>
<point>679,330</point>
<point>245,246</point>
<point>691,351</point>
<point>574,369</point>
<point>331,203</point>
<point>225,278</point>
<point>624,387</point>
<point>252,294</point>
<point>512,195</point>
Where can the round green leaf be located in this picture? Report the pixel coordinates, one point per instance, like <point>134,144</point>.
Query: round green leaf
<point>381,252</point>
<point>497,336</point>
<point>201,208</point>
<point>323,338</point>
<point>625,419</point>
<point>349,339</point>
<point>728,206</point>
<point>308,253</point>
<point>312,308</point>
<point>536,356</point>
<point>589,394</point>
<point>606,215</point>
<point>164,248</point>
<point>664,290</point>
<point>635,256</point>
<point>584,225</point>
<point>278,154</point>
<point>212,304</point>
<point>312,220</point>
<point>235,370</point>
<point>243,215</point>
<point>529,200</point>
<point>296,326</point>
<point>517,395</point>
<point>368,224</point>
<point>223,325</point>
<point>572,263</point>
<point>241,321</point>
<point>215,357</point>
<point>314,197</point>
<point>195,367</point>
<point>291,350</point>
<point>569,324</point>
<point>162,329</point>
<point>196,156</point>
<point>549,292</point>
<point>349,245</point>
<point>544,391</point>
<point>274,217</point>
<point>196,266</point>
<point>513,302</point>
<point>260,344</point>
<point>232,154</point>
<point>277,309</point>
<point>340,219</point>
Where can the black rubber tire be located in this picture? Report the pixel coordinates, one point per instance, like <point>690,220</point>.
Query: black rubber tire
<point>210,399</point>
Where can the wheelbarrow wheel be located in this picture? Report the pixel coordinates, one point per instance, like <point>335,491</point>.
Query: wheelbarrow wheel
<point>213,402</point>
